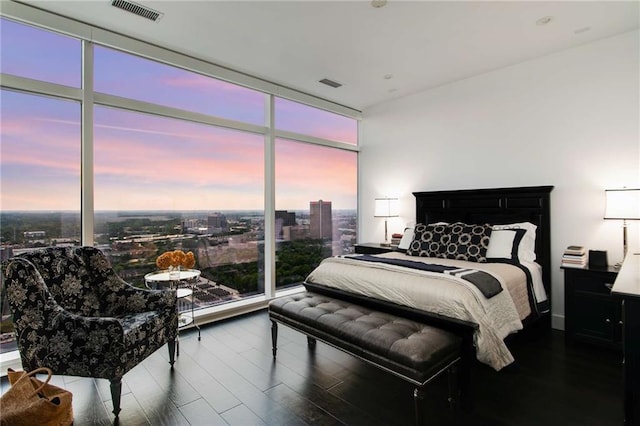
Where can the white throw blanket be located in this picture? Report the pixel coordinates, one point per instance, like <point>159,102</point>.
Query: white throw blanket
<point>439,293</point>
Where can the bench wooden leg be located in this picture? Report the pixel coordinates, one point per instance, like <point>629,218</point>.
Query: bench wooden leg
<point>311,342</point>
<point>274,337</point>
<point>418,403</point>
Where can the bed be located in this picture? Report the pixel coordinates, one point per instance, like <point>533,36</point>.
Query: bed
<point>503,287</point>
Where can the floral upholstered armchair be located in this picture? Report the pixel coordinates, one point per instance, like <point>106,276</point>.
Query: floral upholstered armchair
<point>73,314</point>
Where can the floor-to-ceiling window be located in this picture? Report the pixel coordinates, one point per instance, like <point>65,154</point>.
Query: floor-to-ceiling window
<point>178,162</point>
<point>315,189</point>
<point>166,183</point>
<point>315,207</point>
<point>40,149</point>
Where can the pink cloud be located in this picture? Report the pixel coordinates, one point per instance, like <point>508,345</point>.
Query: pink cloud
<point>197,155</point>
<point>31,143</point>
<point>304,119</point>
<point>14,128</point>
<point>149,162</point>
<point>307,172</point>
<point>26,196</point>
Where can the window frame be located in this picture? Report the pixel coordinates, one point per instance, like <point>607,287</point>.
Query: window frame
<point>91,36</point>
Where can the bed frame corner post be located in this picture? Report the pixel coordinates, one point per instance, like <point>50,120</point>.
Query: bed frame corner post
<point>418,401</point>
<point>465,401</point>
<point>454,387</point>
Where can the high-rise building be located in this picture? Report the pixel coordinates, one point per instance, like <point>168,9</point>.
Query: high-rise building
<point>284,221</point>
<point>217,223</point>
<point>288,218</point>
<point>320,225</point>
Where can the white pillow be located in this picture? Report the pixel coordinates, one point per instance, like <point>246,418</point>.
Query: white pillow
<point>504,244</point>
<point>527,247</point>
<point>407,237</point>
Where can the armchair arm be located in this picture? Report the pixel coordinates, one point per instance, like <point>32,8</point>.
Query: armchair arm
<point>121,297</point>
<point>117,296</point>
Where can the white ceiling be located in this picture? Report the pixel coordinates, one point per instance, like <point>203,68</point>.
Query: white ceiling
<point>419,44</point>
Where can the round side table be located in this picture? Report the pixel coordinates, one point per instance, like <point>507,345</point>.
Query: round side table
<point>173,280</point>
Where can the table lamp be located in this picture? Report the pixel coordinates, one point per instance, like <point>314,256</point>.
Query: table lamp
<point>385,207</point>
<point>622,204</point>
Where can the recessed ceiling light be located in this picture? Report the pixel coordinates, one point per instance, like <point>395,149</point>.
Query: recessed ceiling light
<point>544,20</point>
<point>378,3</point>
<point>388,76</point>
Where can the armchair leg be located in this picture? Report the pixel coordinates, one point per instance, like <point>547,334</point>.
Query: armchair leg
<point>116,390</point>
<point>171,344</point>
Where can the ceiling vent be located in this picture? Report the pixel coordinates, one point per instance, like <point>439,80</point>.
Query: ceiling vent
<point>331,83</point>
<point>137,9</point>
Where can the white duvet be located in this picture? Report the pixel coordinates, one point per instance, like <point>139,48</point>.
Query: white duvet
<point>443,294</point>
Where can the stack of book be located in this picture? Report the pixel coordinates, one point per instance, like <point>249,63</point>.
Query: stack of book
<point>574,257</point>
<point>395,239</point>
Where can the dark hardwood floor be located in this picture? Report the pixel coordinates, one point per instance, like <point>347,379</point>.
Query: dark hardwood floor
<point>229,377</point>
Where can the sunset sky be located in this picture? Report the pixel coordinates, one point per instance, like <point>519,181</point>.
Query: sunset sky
<point>146,162</point>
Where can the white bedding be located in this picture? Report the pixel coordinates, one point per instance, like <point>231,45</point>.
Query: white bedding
<point>444,294</point>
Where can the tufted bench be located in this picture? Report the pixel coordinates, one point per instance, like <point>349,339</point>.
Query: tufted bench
<point>415,351</point>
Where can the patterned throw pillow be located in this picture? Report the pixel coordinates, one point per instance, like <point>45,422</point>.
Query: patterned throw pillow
<point>467,242</point>
<point>428,240</point>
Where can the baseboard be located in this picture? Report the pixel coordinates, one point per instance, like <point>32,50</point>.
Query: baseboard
<point>557,322</point>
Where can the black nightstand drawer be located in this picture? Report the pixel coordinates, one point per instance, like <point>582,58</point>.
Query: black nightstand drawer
<point>591,314</point>
<point>596,282</point>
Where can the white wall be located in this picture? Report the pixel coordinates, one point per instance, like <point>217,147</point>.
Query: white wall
<point>569,119</point>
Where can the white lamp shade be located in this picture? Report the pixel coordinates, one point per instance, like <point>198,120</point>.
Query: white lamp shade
<point>386,207</point>
<point>622,204</point>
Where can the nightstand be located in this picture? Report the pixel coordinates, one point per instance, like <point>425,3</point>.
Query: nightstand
<point>372,248</point>
<point>591,314</point>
